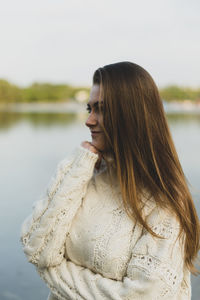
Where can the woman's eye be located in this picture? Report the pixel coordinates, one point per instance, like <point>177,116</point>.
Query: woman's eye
<point>96,109</point>
<point>88,109</point>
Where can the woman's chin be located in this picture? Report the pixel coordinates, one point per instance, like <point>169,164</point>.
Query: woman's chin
<point>97,145</point>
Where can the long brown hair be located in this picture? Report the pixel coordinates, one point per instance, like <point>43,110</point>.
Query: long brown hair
<point>139,138</point>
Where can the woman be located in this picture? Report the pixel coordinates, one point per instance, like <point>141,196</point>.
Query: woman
<point>118,220</point>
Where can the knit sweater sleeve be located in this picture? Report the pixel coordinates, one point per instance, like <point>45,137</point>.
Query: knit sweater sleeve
<point>43,233</point>
<point>155,270</point>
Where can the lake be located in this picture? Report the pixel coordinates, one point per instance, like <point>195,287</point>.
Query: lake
<point>31,146</point>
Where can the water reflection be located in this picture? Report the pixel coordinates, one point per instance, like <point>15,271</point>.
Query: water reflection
<point>183,118</point>
<point>10,119</point>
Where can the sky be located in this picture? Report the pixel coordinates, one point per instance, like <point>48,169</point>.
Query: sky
<point>65,41</point>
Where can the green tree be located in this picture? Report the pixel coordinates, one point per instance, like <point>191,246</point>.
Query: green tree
<point>174,92</point>
<point>9,92</point>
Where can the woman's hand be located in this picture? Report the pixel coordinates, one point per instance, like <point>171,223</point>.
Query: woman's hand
<point>89,146</point>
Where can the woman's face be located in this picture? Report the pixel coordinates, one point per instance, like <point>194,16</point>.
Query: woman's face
<point>95,119</point>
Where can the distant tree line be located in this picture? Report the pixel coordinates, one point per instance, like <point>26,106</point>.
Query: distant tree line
<point>46,92</point>
<point>173,92</point>
<point>38,92</point>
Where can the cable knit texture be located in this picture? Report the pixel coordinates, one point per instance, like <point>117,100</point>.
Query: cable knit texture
<point>85,246</point>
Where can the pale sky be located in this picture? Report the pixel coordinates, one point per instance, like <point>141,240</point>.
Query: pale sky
<point>65,41</point>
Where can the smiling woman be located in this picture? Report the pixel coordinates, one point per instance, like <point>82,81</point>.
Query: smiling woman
<point>95,119</point>
<point>118,220</point>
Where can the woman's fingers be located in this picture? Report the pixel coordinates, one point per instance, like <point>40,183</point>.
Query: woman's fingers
<point>90,147</point>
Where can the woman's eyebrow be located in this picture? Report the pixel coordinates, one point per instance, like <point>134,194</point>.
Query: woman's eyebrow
<point>95,104</point>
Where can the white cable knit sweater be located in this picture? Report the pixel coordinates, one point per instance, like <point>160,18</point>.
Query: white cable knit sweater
<point>85,246</point>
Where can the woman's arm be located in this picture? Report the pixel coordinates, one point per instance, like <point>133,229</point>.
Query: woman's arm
<point>44,233</point>
<point>155,270</point>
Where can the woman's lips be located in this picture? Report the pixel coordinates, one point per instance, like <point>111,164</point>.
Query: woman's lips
<point>95,133</point>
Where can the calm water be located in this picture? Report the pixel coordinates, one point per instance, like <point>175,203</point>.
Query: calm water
<point>31,145</point>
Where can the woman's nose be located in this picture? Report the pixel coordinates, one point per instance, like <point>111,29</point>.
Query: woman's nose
<point>91,120</point>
